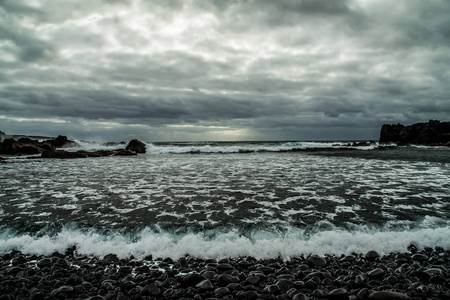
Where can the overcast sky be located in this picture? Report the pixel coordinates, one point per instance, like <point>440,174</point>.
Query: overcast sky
<point>222,70</point>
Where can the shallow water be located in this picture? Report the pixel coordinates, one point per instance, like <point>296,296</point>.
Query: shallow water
<point>276,199</point>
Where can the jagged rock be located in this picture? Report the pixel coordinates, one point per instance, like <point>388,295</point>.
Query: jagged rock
<point>433,133</point>
<point>2,135</point>
<point>26,146</point>
<point>7,146</point>
<point>47,147</point>
<point>20,147</point>
<point>28,149</point>
<point>136,146</point>
<point>62,142</point>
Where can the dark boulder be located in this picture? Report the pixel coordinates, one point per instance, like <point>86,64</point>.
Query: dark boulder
<point>136,146</point>
<point>24,149</point>
<point>62,142</point>
<point>8,146</point>
<point>433,133</point>
<point>47,147</point>
<point>23,146</point>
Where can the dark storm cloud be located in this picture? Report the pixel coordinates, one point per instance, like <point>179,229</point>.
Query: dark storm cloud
<point>26,47</point>
<point>240,69</point>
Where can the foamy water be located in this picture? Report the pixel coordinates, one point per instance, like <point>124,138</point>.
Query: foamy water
<point>222,200</point>
<point>218,243</point>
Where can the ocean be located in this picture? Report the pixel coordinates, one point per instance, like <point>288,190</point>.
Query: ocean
<point>229,199</point>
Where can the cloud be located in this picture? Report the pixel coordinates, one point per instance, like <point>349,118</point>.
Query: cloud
<point>177,69</point>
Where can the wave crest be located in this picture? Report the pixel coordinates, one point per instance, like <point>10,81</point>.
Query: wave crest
<point>220,243</point>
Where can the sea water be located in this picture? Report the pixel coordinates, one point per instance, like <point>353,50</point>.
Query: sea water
<point>216,200</point>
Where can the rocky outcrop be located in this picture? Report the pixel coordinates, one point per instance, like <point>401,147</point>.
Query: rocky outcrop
<point>27,146</point>
<point>23,146</point>
<point>54,148</point>
<point>136,146</point>
<point>61,154</point>
<point>433,133</point>
<point>2,136</point>
<point>62,142</point>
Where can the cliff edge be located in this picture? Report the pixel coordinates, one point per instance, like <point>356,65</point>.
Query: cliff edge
<point>432,133</point>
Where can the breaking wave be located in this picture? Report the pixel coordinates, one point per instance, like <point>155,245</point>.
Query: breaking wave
<point>226,242</point>
<point>154,148</point>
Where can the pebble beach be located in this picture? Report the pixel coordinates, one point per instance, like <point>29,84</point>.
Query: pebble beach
<point>410,275</point>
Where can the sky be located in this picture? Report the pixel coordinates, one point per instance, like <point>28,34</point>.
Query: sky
<point>222,70</point>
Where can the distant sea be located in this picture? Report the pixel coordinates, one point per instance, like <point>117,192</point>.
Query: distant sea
<point>229,199</point>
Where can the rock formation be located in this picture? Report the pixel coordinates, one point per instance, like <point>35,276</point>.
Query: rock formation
<point>84,154</point>
<point>24,146</point>
<point>53,148</point>
<point>27,146</point>
<point>136,146</point>
<point>433,133</point>
<point>62,142</point>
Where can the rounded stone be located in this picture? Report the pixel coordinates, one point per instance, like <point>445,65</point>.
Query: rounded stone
<point>45,262</point>
<point>372,255</point>
<point>376,273</point>
<point>222,291</point>
<point>419,257</point>
<point>339,293</point>
<point>272,289</point>
<point>253,279</point>
<point>317,261</point>
<point>388,295</point>
<point>300,296</point>
<point>224,267</point>
<point>225,279</point>
<point>192,279</point>
<point>205,285</point>
<point>110,258</point>
<point>434,271</point>
<point>247,295</point>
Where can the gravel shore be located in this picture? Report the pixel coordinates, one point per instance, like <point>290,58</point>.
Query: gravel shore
<point>410,275</point>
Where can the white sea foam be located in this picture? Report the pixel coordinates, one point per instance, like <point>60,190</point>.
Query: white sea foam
<point>176,149</point>
<point>93,146</point>
<point>229,243</point>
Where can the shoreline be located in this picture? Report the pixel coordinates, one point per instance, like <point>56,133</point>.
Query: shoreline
<point>409,275</point>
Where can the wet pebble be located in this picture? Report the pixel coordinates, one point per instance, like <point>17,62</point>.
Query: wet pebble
<point>422,274</point>
<point>372,255</point>
<point>317,261</point>
<point>205,285</point>
<point>388,295</point>
<point>45,262</point>
<point>376,273</point>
